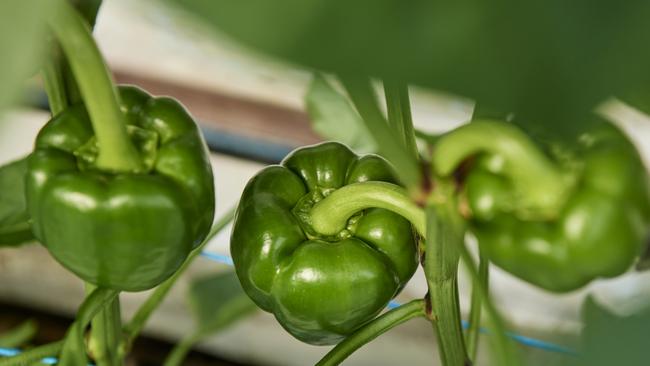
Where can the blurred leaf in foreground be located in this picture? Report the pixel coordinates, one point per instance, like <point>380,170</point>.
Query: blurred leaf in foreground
<point>334,118</point>
<point>609,339</point>
<point>14,220</point>
<point>549,62</point>
<point>22,40</point>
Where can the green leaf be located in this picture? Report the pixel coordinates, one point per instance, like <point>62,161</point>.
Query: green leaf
<point>390,147</point>
<point>334,118</point>
<point>14,220</point>
<point>22,41</point>
<point>549,62</point>
<point>610,339</point>
<point>218,301</point>
<point>19,335</point>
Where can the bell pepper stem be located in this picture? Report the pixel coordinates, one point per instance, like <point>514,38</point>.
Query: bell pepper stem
<point>445,236</point>
<point>116,152</point>
<point>133,328</point>
<point>60,87</point>
<point>399,114</point>
<point>372,330</point>
<point>472,334</point>
<point>541,187</point>
<point>330,215</point>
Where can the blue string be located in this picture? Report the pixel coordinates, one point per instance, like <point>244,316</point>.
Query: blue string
<point>221,258</point>
<point>526,341</point>
<point>10,352</point>
<point>218,258</point>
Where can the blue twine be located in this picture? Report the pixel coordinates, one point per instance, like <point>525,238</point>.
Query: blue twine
<point>526,341</point>
<point>218,258</point>
<point>221,258</point>
<point>10,352</point>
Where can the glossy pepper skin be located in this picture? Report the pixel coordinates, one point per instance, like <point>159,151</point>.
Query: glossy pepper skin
<point>600,230</point>
<point>319,288</point>
<point>126,231</point>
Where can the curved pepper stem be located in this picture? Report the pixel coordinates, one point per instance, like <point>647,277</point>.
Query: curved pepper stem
<point>97,89</point>
<point>330,215</point>
<point>540,186</point>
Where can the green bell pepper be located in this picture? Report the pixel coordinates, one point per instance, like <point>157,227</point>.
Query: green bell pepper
<point>124,230</point>
<point>320,287</point>
<point>598,229</point>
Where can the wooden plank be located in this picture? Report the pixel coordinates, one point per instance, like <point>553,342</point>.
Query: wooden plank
<point>252,119</point>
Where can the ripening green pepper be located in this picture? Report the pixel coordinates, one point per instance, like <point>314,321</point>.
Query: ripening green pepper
<point>127,230</point>
<point>320,287</point>
<point>599,229</point>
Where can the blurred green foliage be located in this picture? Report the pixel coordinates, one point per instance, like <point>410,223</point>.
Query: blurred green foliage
<point>609,339</point>
<point>549,62</point>
<point>14,220</point>
<point>217,301</point>
<point>22,40</point>
<point>334,118</point>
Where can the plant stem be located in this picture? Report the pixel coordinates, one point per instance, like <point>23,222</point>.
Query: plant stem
<point>364,99</point>
<point>446,233</point>
<point>472,334</point>
<point>116,152</point>
<point>399,114</point>
<point>372,330</point>
<point>73,352</point>
<point>541,186</point>
<point>54,82</point>
<point>504,349</point>
<point>330,215</point>
<point>181,349</point>
<point>33,355</point>
<point>19,335</point>
<point>106,331</point>
<point>134,327</point>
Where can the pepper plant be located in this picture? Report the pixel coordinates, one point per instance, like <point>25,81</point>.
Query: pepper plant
<point>119,189</point>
